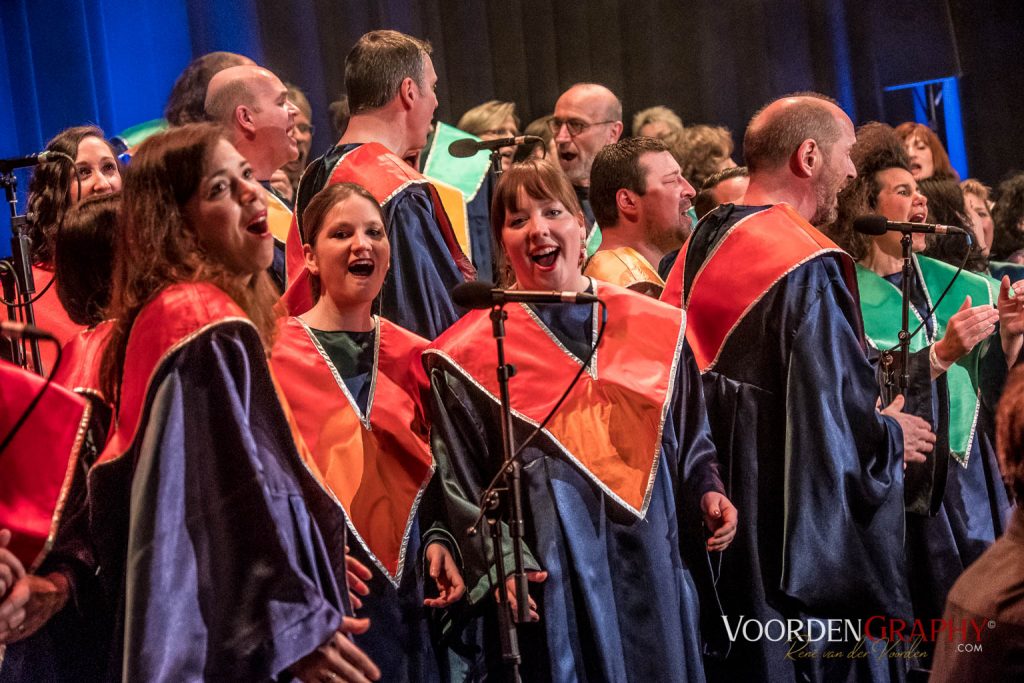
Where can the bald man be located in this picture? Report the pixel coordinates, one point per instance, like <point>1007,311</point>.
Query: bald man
<point>587,117</point>
<point>252,105</point>
<point>815,470</point>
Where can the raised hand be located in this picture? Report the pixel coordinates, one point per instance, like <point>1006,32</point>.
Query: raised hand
<point>965,330</point>
<point>1010,305</point>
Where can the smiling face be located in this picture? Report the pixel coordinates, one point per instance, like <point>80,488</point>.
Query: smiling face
<point>229,213</point>
<point>96,168</point>
<point>274,120</point>
<point>543,243</point>
<point>899,200</point>
<point>351,253</point>
<point>836,172</point>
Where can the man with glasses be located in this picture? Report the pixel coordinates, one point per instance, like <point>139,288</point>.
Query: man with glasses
<point>587,117</point>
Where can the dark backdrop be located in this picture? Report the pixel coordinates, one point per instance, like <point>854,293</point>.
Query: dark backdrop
<point>712,61</point>
<point>112,62</point>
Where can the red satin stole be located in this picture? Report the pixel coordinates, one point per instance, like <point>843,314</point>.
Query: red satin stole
<point>754,254</point>
<point>176,316</point>
<point>375,466</point>
<point>384,175</point>
<point>611,424</point>
<point>36,468</point>
<point>79,368</point>
<point>50,316</point>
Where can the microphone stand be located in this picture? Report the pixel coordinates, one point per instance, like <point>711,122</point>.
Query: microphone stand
<point>906,241</point>
<point>514,505</point>
<point>496,163</point>
<point>903,381</point>
<point>21,255</point>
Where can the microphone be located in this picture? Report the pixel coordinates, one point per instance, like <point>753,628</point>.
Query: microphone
<point>23,331</point>
<point>486,295</point>
<point>879,225</point>
<point>30,160</point>
<point>467,147</point>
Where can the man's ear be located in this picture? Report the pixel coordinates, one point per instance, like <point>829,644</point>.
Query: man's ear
<point>408,92</point>
<point>626,203</point>
<point>807,159</point>
<point>615,131</point>
<point>244,119</point>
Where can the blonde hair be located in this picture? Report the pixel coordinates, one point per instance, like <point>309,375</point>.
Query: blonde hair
<point>977,188</point>
<point>654,115</point>
<point>487,117</point>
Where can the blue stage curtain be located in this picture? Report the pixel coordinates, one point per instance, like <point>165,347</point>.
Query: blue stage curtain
<point>109,62</point>
<point>112,62</point>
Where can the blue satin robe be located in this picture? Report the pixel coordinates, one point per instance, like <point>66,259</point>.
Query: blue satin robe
<point>620,602</point>
<point>974,504</point>
<point>400,641</point>
<point>220,555</point>
<point>815,471</point>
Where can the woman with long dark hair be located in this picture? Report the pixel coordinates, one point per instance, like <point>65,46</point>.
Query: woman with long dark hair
<point>221,555</point>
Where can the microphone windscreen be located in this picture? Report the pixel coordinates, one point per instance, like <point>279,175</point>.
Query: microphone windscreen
<point>870,225</point>
<point>466,147</point>
<point>476,294</point>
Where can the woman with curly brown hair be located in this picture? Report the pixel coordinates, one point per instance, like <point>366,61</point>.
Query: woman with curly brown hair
<point>968,504</point>
<point>56,186</point>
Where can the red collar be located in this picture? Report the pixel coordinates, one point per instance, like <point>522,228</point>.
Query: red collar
<point>377,465</point>
<point>175,316</point>
<point>36,468</point>
<point>757,252</point>
<point>79,369</point>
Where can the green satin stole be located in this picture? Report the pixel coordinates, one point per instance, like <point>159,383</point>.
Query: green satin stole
<point>880,303</point>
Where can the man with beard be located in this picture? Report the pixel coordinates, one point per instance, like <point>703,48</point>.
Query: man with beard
<point>587,117</point>
<point>640,200</point>
<point>390,82</point>
<point>816,470</point>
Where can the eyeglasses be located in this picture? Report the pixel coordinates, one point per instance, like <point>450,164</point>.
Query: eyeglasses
<point>575,126</point>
